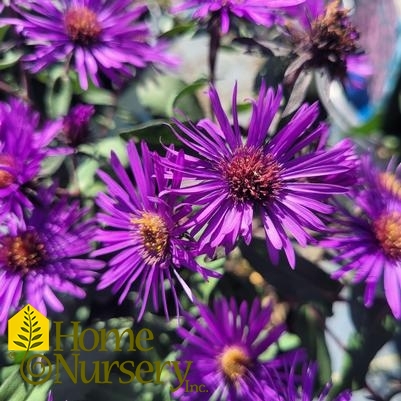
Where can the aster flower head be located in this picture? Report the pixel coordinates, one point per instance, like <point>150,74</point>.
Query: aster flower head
<point>23,146</point>
<point>256,11</point>
<point>144,231</point>
<point>368,241</point>
<point>324,37</point>
<point>76,124</point>
<point>280,177</point>
<point>302,388</point>
<point>99,36</point>
<point>45,254</point>
<point>225,345</point>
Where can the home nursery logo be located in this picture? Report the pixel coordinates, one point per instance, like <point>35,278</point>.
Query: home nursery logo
<point>28,331</point>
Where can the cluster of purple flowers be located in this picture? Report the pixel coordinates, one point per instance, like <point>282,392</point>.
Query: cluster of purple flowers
<point>183,206</point>
<point>97,39</point>
<point>287,177</point>
<point>37,227</point>
<point>229,341</point>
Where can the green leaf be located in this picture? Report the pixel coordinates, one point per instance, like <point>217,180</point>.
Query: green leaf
<point>213,264</point>
<point>3,31</point>
<point>86,171</point>
<point>289,341</point>
<point>35,330</point>
<point>20,344</point>
<point>179,30</point>
<point>163,94</point>
<point>39,392</point>
<point>187,102</point>
<point>36,344</point>
<point>12,387</point>
<point>51,164</point>
<point>153,132</point>
<point>86,177</point>
<point>9,59</point>
<point>372,126</point>
<point>244,107</point>
<point>24,330</point>
<point>99,96</point>
<point>58,93</point>
<point>22,337</point>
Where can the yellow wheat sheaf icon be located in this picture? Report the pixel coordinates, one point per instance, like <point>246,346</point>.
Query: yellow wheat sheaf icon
<point>28,330</point>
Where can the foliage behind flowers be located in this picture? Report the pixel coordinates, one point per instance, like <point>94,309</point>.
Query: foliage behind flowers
<point>232,230</point>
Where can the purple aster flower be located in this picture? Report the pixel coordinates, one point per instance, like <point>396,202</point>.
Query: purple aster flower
<point>225,346</point>
<point>100,36</point>
<point>282,177</point>
<point>368,239</point>
<point>324,37</point>
<point>302,388</point>
<point>22,149</point>
<point>144,231</point>
<point>44,254</point>
<point>255,11</point>
<point>76,124</point>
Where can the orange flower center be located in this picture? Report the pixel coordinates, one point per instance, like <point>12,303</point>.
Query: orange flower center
<point>23,252</point>
<point>154,235</point>
<point>388,232</point>
<point>234,362</point>
<point>6,178</point>
<point>82,25</point>
<point>251,175</point>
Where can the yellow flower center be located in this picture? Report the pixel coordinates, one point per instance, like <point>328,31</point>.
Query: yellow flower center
<point>234,362</point>
<point>154,235</point>
<point>23,252</point>
<point>388,232</point>
<point>82,25</point>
